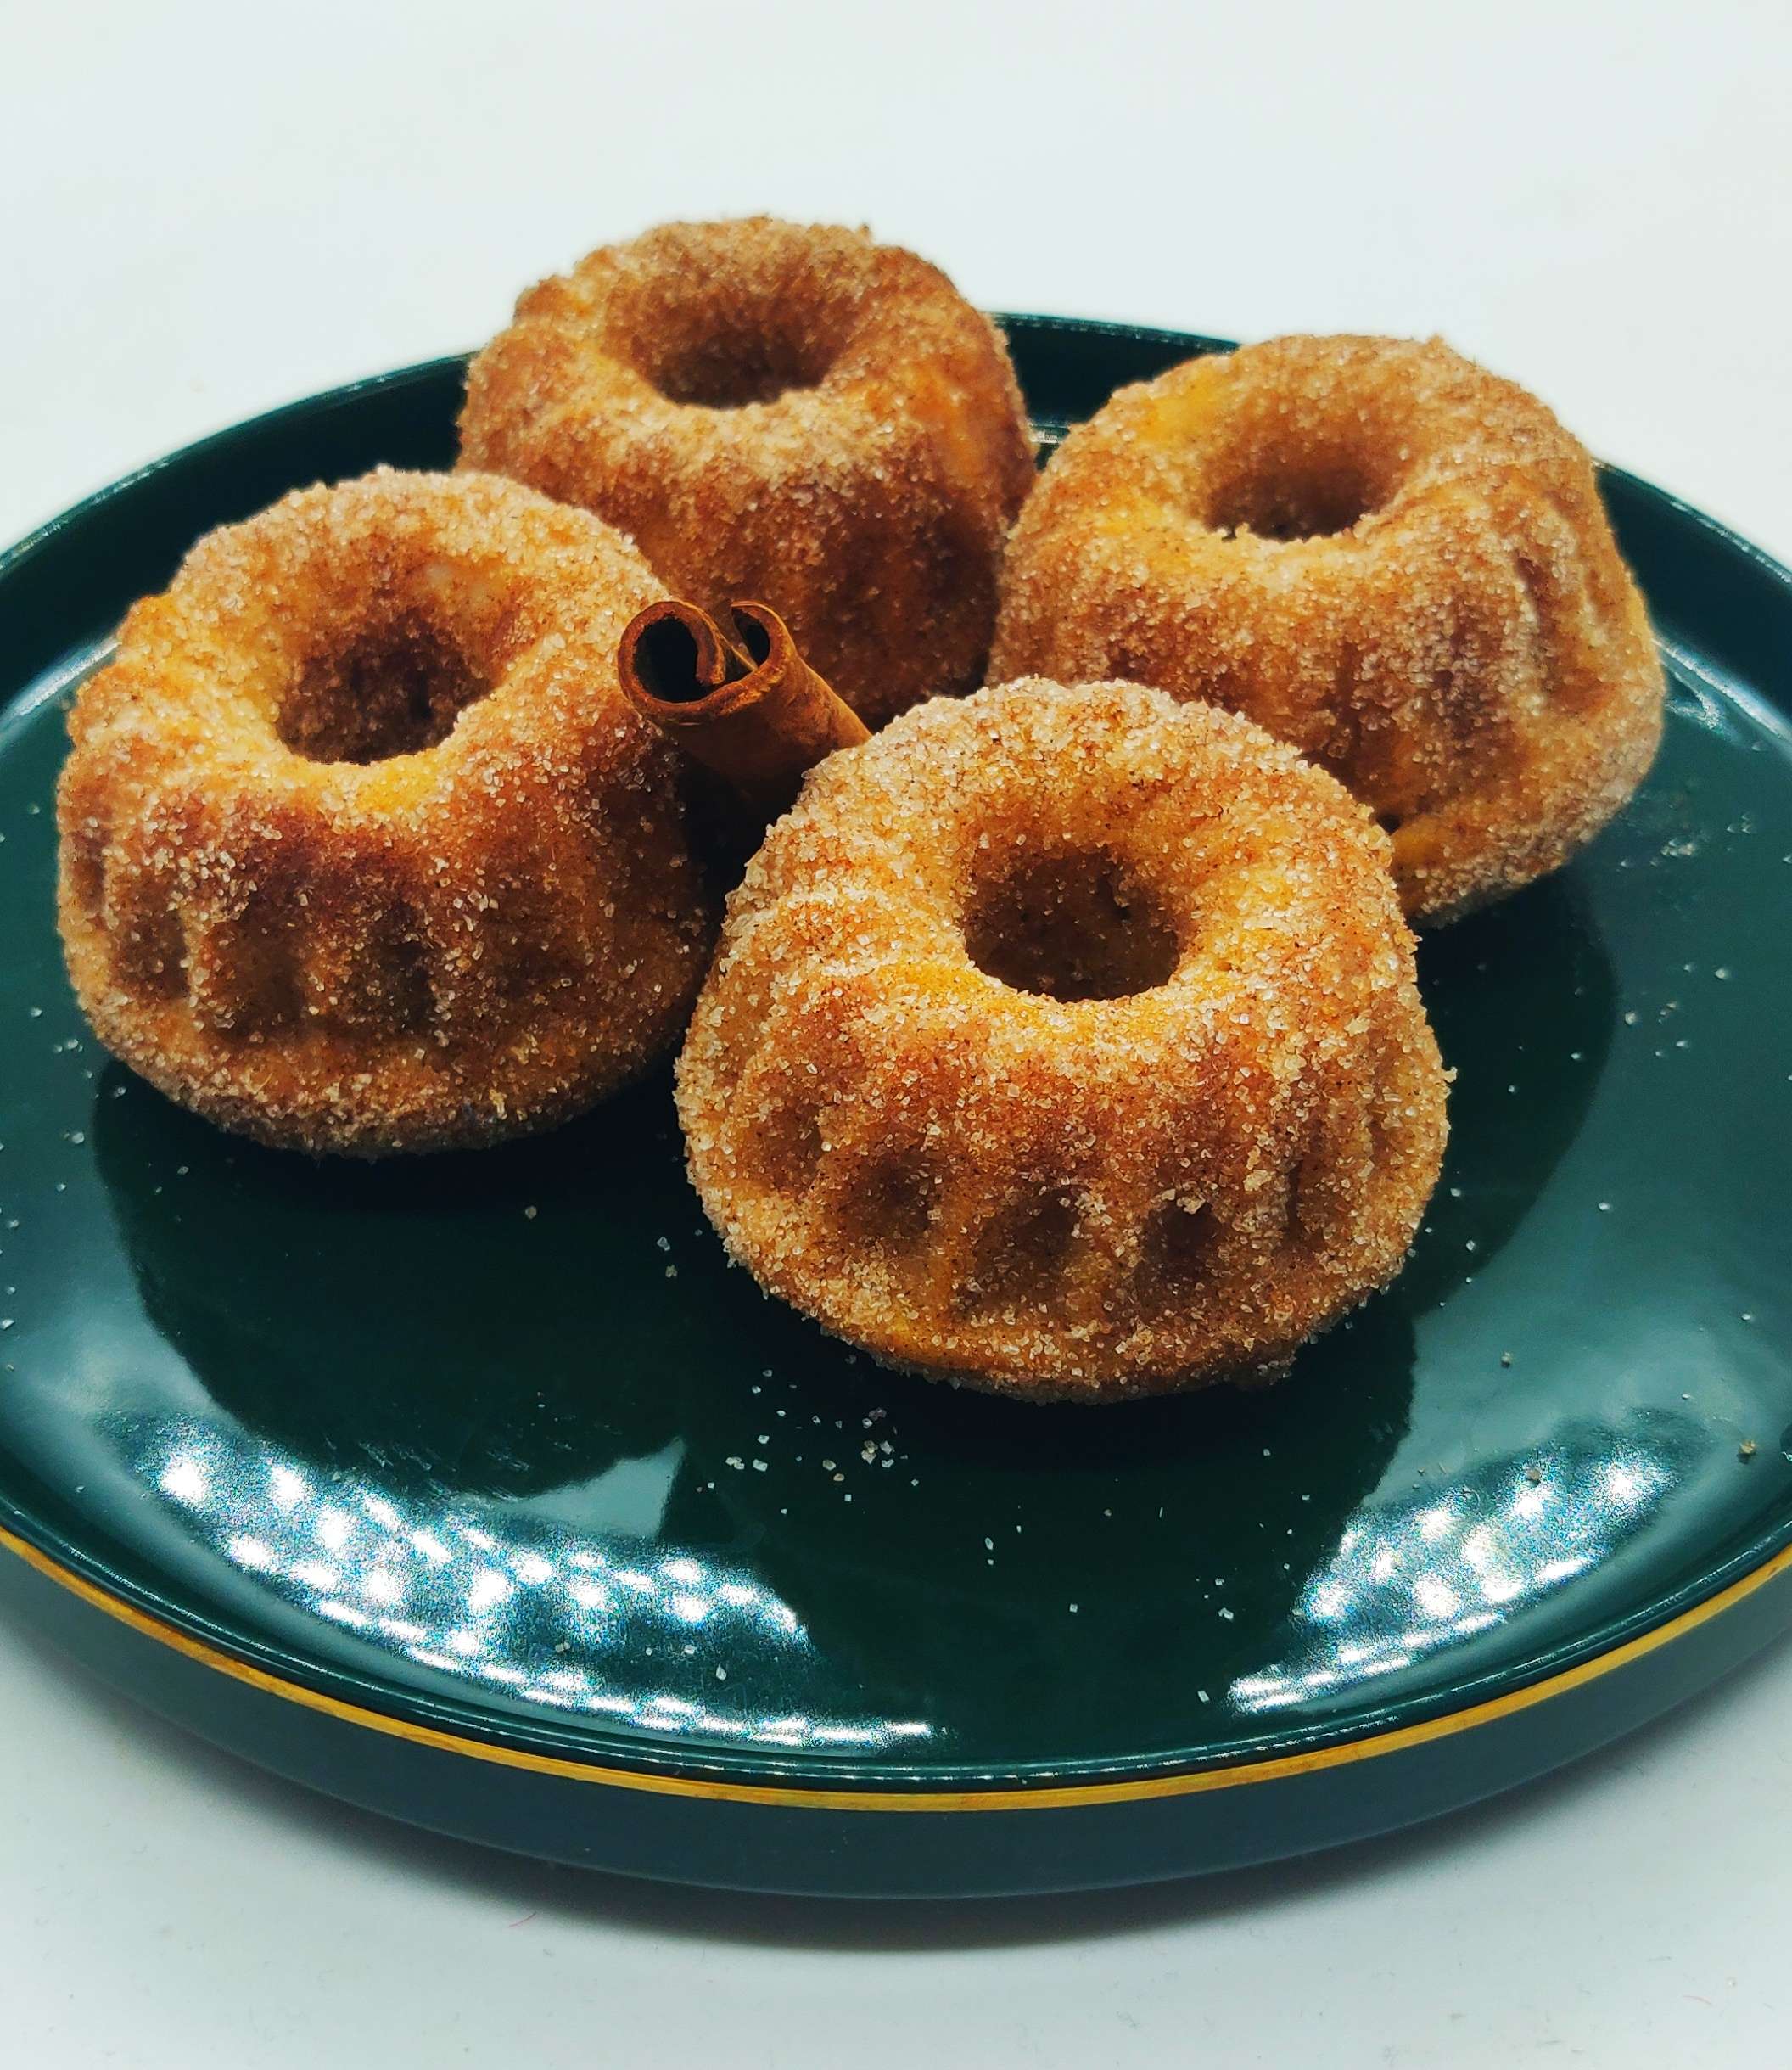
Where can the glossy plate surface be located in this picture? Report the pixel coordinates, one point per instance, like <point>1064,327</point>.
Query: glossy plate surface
<point>497,1447</point>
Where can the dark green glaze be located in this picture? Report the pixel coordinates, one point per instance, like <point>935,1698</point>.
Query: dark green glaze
<point>498,1444</point>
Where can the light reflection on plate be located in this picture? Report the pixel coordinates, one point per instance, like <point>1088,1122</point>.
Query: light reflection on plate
<point>456,1597</point>
<point>1414,1575</point>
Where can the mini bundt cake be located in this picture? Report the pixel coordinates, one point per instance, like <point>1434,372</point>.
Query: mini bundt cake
<point>1066,1042</point>
<point>1383,554</point>
<point>791,413</point>
<point>362,849</point>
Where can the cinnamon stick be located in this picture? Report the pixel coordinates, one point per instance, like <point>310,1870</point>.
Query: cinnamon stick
<point>740,699</point>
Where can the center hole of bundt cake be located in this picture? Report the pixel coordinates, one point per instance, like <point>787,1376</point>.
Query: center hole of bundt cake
<point>1070,925</point>
<point>1292,496</point>
<point>393,691</point>
<point>732,367</point>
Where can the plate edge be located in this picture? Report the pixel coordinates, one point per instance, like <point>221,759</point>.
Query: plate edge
<point>1011,1798</point>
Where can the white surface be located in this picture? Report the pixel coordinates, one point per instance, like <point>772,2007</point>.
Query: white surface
<point>205,211</point>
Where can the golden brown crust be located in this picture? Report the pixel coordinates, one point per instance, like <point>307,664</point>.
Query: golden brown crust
<point>1387,556</point>
<point>362,849</point>
<point>1106,1191</point>
<point>783,412</point>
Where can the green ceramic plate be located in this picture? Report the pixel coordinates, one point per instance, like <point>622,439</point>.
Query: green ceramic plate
<point>481,1491</point>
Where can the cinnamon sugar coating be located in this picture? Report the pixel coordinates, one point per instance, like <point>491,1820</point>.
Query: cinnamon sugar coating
<point>781,411</point>
<point>1385,555</point>
<point>361,850</point>
<point>1066,1042</point>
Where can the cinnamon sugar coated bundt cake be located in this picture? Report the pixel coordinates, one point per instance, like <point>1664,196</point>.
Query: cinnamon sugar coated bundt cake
<point>1387,556</point>
<point>791,413</point>
<point>1066,1042</point>
<point>362,849</point>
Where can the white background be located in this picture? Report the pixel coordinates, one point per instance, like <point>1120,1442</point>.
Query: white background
<point>205,210</point>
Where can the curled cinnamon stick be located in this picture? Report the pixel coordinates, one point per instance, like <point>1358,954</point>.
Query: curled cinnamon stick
<point>741,700</point>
